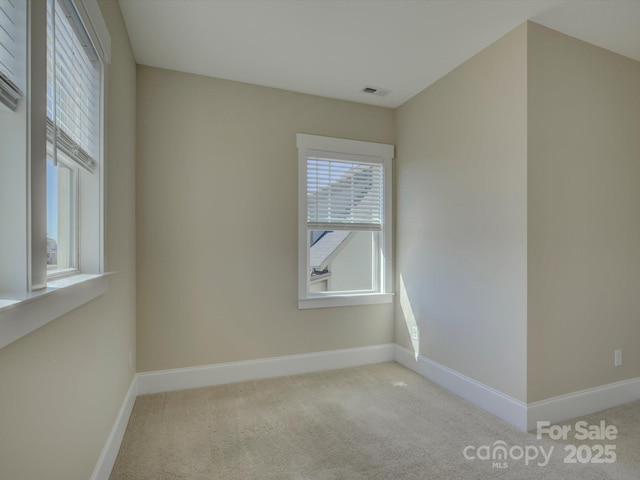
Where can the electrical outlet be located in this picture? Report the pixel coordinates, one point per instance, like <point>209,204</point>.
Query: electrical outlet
<point>414,333</point>
<point>617,358</point>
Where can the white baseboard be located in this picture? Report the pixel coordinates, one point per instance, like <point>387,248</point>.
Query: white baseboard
<point>107,457</point>
<point>495,402</point>
<point>210,375</point>
<point>515,412</point>
<point>218,374</point>
<point>584,402</point>
<point>520,414</point>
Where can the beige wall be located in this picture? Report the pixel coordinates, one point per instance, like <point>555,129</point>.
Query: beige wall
<point>217,212</point>
<point>61,386</point>
<point>487,180</point>
<point>583,215</point>
<point>461,217</point>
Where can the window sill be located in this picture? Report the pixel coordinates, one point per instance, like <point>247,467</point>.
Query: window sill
<point>344,300</point>
<point>22,314</point>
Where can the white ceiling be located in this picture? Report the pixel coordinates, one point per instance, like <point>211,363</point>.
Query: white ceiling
<point>334,48</point>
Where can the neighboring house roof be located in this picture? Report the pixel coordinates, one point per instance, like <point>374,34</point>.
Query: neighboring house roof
<point>52,245</point>
<point>324,249</point>
<point>357,179</point>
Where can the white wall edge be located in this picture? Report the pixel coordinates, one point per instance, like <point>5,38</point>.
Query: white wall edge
<point>109,453</point>
<point>584,402</point>
<point>493,401</point>
<point>218,374</point>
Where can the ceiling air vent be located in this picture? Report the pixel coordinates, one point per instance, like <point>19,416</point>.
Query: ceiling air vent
<point>380,92</point>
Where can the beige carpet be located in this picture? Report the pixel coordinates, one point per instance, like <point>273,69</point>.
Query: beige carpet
<point>373,422</point>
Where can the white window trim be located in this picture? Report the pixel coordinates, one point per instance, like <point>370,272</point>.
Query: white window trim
<point>22,314</point>
<point>306,299</point>
<point>348,300</point>
<point>33,300</point>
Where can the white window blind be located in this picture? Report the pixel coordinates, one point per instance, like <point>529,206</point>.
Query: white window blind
<point>73,87</point>
<point>11,12</point>
<point>344,192</point>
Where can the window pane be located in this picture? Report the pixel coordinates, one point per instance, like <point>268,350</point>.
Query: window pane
<point>341,261</point>
<point>12,52</point>
<point>73,83</point>
<point>344,192</point>
<point>61,228</point>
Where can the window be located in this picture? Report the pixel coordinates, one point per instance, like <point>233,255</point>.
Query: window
<point>12,46</point>
<point>344,207</point>
<point>74,73</point>
<point>52,164</point>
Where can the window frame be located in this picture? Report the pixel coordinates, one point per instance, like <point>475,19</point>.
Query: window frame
<point>89,202</point>
<point>307,143</point>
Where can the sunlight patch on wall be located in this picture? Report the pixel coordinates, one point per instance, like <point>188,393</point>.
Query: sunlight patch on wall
<point>410,319</point>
